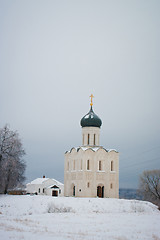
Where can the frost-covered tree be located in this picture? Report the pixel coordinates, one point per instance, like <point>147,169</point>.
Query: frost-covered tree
<point>149,186</point>
<point>12,165</point>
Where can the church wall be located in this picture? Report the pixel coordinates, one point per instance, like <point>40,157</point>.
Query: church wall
<point>86,181</point>
<point>114,175</point>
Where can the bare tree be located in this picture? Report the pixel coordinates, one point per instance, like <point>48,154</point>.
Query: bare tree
<point>12,165</point>
<point>149,186</point>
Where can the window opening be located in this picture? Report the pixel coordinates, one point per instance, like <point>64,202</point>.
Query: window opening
<point>88,139</point>
<point>87,164</point>
<point>68,166</point>
<point>111,165</point>
<point>81,164</point>
<point>94,139</point>
<point>73,164</point>
<point>100,165</point>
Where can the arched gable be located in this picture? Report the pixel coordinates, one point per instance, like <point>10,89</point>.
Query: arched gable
<point>112,150</point>
<point>73,150</point>
<point>102,150</point>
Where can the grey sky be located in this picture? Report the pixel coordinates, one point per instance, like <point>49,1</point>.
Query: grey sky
<point>54,54</point>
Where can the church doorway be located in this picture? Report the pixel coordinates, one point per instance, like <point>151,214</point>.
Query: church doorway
<point>100,191</point>
<point>74,190</point>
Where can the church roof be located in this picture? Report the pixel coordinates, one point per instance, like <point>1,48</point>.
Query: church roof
<point>95,149</point>
<point>91,120</point>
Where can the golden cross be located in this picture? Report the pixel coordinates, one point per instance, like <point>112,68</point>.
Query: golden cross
<point>91,99</point>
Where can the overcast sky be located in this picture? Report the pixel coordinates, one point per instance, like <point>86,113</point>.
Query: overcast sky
<point>54,54</point>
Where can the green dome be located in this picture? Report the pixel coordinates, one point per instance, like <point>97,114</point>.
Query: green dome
<point>91,120</point>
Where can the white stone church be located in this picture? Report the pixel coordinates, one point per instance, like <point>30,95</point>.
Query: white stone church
<point>91,170</point>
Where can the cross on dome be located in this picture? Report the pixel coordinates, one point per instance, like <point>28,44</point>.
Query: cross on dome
<point>91,119</point>
<point>91,99</point>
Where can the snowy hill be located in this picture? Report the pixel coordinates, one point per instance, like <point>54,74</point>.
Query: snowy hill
<point>44,217</point>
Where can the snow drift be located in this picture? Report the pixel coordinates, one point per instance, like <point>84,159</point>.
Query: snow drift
<point>45,217</point>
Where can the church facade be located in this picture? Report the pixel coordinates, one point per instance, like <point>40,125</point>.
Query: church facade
<point>91,170</point>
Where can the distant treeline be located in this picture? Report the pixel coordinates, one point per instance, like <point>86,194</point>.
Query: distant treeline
<point>127,193</point>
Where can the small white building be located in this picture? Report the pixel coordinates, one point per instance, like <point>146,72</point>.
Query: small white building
<point>45,186</point>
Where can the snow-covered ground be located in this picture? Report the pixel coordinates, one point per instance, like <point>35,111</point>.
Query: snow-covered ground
<point>45,218</point>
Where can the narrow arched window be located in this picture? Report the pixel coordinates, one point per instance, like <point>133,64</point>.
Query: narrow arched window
<point>94,139</point>
<point>74,165</point>
<point>111,185</point>
<point>68,166</point>
<point>100,165</point>
<point>81,164</point>
<point>112,166</point>
<point>39,190</point>
<point>83,139</point>
<point>87,164</point>
<point>88,184</point>
<point>88,139</point>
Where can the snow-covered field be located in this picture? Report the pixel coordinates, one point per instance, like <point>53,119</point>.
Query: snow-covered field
<point>45,218</point>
